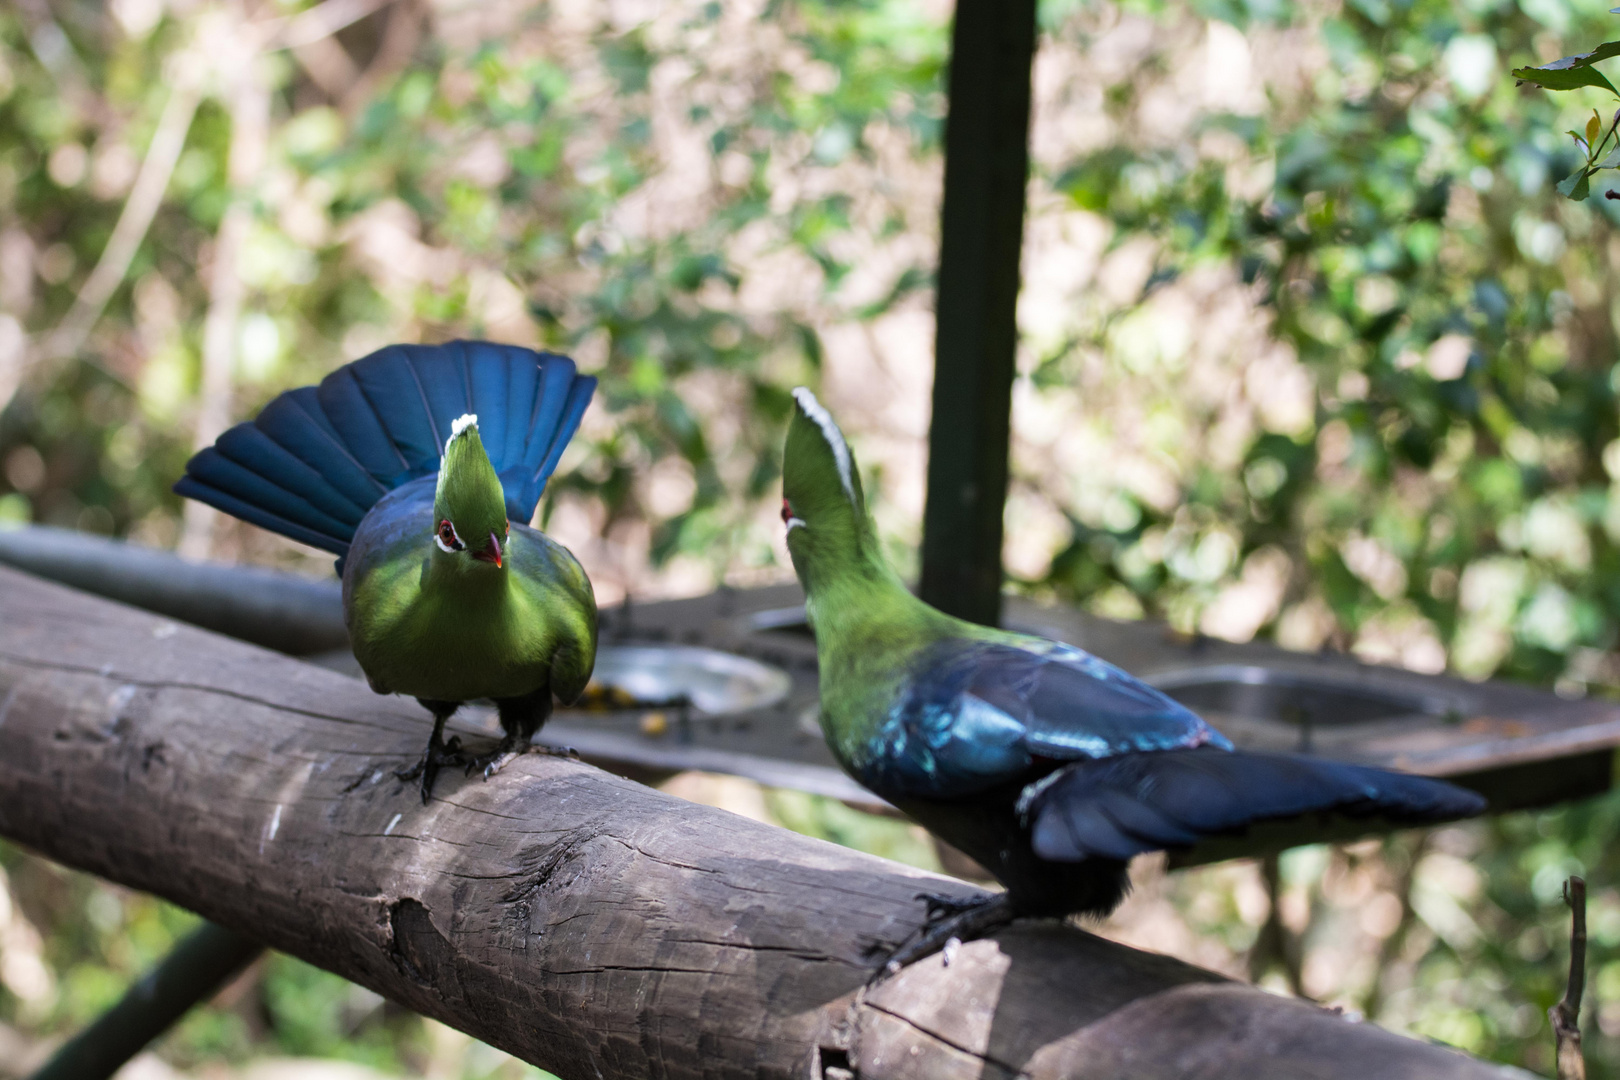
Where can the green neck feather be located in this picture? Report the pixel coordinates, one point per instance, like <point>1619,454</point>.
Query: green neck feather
<point>469,508</point>
<point>851,590</point>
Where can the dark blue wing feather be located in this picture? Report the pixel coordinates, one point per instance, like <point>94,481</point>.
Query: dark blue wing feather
<point>573,410</point>
<point>318,458</point>
<point>486,373</point>
<point>1118,807</point>
<point>193,488</point>
<point>351,413</point>
<point>406,401</point>
<point>975,714</point>
<point>1074,705</point>
<point>522,386</point>
<point>251,448</point>
<point>296,422</point>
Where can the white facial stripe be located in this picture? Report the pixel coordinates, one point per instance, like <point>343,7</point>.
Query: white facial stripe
<point>829,431</point>
<point>795,523</point>
<point>444,547</point>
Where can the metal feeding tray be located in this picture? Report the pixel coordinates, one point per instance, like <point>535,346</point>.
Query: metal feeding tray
<point>682,676</point>
<point>1278,709</point>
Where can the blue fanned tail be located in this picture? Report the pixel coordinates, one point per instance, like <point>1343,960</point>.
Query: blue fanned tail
<point>1116,808</point>
<point>316,459</point>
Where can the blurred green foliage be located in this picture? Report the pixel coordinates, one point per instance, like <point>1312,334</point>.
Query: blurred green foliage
<point>1408,449</point>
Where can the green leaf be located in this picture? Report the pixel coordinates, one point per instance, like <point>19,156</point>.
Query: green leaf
<point>1573,79</point>
<point>1575,185</point>
<point>1611,160</point>
<point>1572,72</point>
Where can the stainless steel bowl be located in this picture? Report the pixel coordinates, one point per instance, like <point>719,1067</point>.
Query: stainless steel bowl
<point>712,681</point>
<point>1297,698</point>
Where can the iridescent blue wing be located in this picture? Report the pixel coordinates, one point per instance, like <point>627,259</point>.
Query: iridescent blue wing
<point>1073,705</point>
<point>976,714</point>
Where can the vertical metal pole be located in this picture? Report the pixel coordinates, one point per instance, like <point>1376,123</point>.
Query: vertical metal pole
<point>981,239</point>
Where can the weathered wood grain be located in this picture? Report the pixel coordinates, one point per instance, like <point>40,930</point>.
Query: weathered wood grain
<point>585,923</point>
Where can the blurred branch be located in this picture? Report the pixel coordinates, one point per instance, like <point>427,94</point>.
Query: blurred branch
<point>1565,1016</point>
<point>140,208</point>
<point>328,65</point>
<point>398,45</point>
<point>248,100</point>
<point>308,27</point>
<point>1373,1003</point>
<point>186,71</point>
<point>1276,944</point>
<point>51,47</point>
<point>199,965</point>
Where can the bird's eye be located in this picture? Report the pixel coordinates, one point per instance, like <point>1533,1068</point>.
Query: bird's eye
<point>787,512</point>
<point>447,536</point>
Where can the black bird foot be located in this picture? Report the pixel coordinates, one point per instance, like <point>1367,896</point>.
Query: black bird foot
<point>951,921</point>
<point>493,762</point>
<point>943,905</point>
<point>496,760</point>
<point>435,757</point>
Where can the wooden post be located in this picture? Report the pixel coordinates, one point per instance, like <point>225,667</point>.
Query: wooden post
<point>976,306</point>
<point>585,923</point>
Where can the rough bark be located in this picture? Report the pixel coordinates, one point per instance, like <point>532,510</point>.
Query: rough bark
<point>585,923</point>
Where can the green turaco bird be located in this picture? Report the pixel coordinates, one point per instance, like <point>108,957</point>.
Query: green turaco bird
<point>420,467</point>
<point>1049,766</point>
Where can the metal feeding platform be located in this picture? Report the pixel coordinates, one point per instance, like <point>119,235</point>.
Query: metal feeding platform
<point>727,682</point>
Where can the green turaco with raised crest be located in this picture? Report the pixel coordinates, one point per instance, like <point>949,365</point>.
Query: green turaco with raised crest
<point>420,467</point>
<point>1050,767</point>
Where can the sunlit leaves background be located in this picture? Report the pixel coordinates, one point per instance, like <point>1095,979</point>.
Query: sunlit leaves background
<point>1311,350</point>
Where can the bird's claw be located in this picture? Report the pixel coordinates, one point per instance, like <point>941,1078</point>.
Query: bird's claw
<point>944,905</point>
<point>950,920</point>
<point>434,758</point>
<point>496,760</point>
<point>491,763</point>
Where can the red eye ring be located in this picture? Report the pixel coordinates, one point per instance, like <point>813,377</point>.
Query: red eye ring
<point>448,537</point>
<point>787,512</point>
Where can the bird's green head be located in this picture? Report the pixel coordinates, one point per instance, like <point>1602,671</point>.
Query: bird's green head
<point>469,507</point>
<point>823,506</point>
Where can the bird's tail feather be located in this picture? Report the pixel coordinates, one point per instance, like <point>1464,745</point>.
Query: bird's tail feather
<point>317,458</point>
<point>1123,806</point>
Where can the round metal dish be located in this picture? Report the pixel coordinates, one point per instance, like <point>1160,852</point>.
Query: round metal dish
<point>711,681</point>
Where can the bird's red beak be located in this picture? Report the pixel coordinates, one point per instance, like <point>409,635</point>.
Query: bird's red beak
<point>491,553</point>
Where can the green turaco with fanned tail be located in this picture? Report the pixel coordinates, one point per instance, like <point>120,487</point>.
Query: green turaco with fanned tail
<point>420,467</point>
<point>1049,766</point>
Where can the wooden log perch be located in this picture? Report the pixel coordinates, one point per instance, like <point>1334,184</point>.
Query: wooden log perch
<point>587,924</point>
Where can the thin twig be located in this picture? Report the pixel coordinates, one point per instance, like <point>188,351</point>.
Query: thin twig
<point>248,98</point>
<point>1565,1016</point>
<point>139,209</point>
<point>1276,943</point>
<point>188,72</point>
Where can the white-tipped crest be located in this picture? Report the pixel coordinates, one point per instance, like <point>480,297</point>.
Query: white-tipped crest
<point>829,431</point>
<point>457,426</point>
